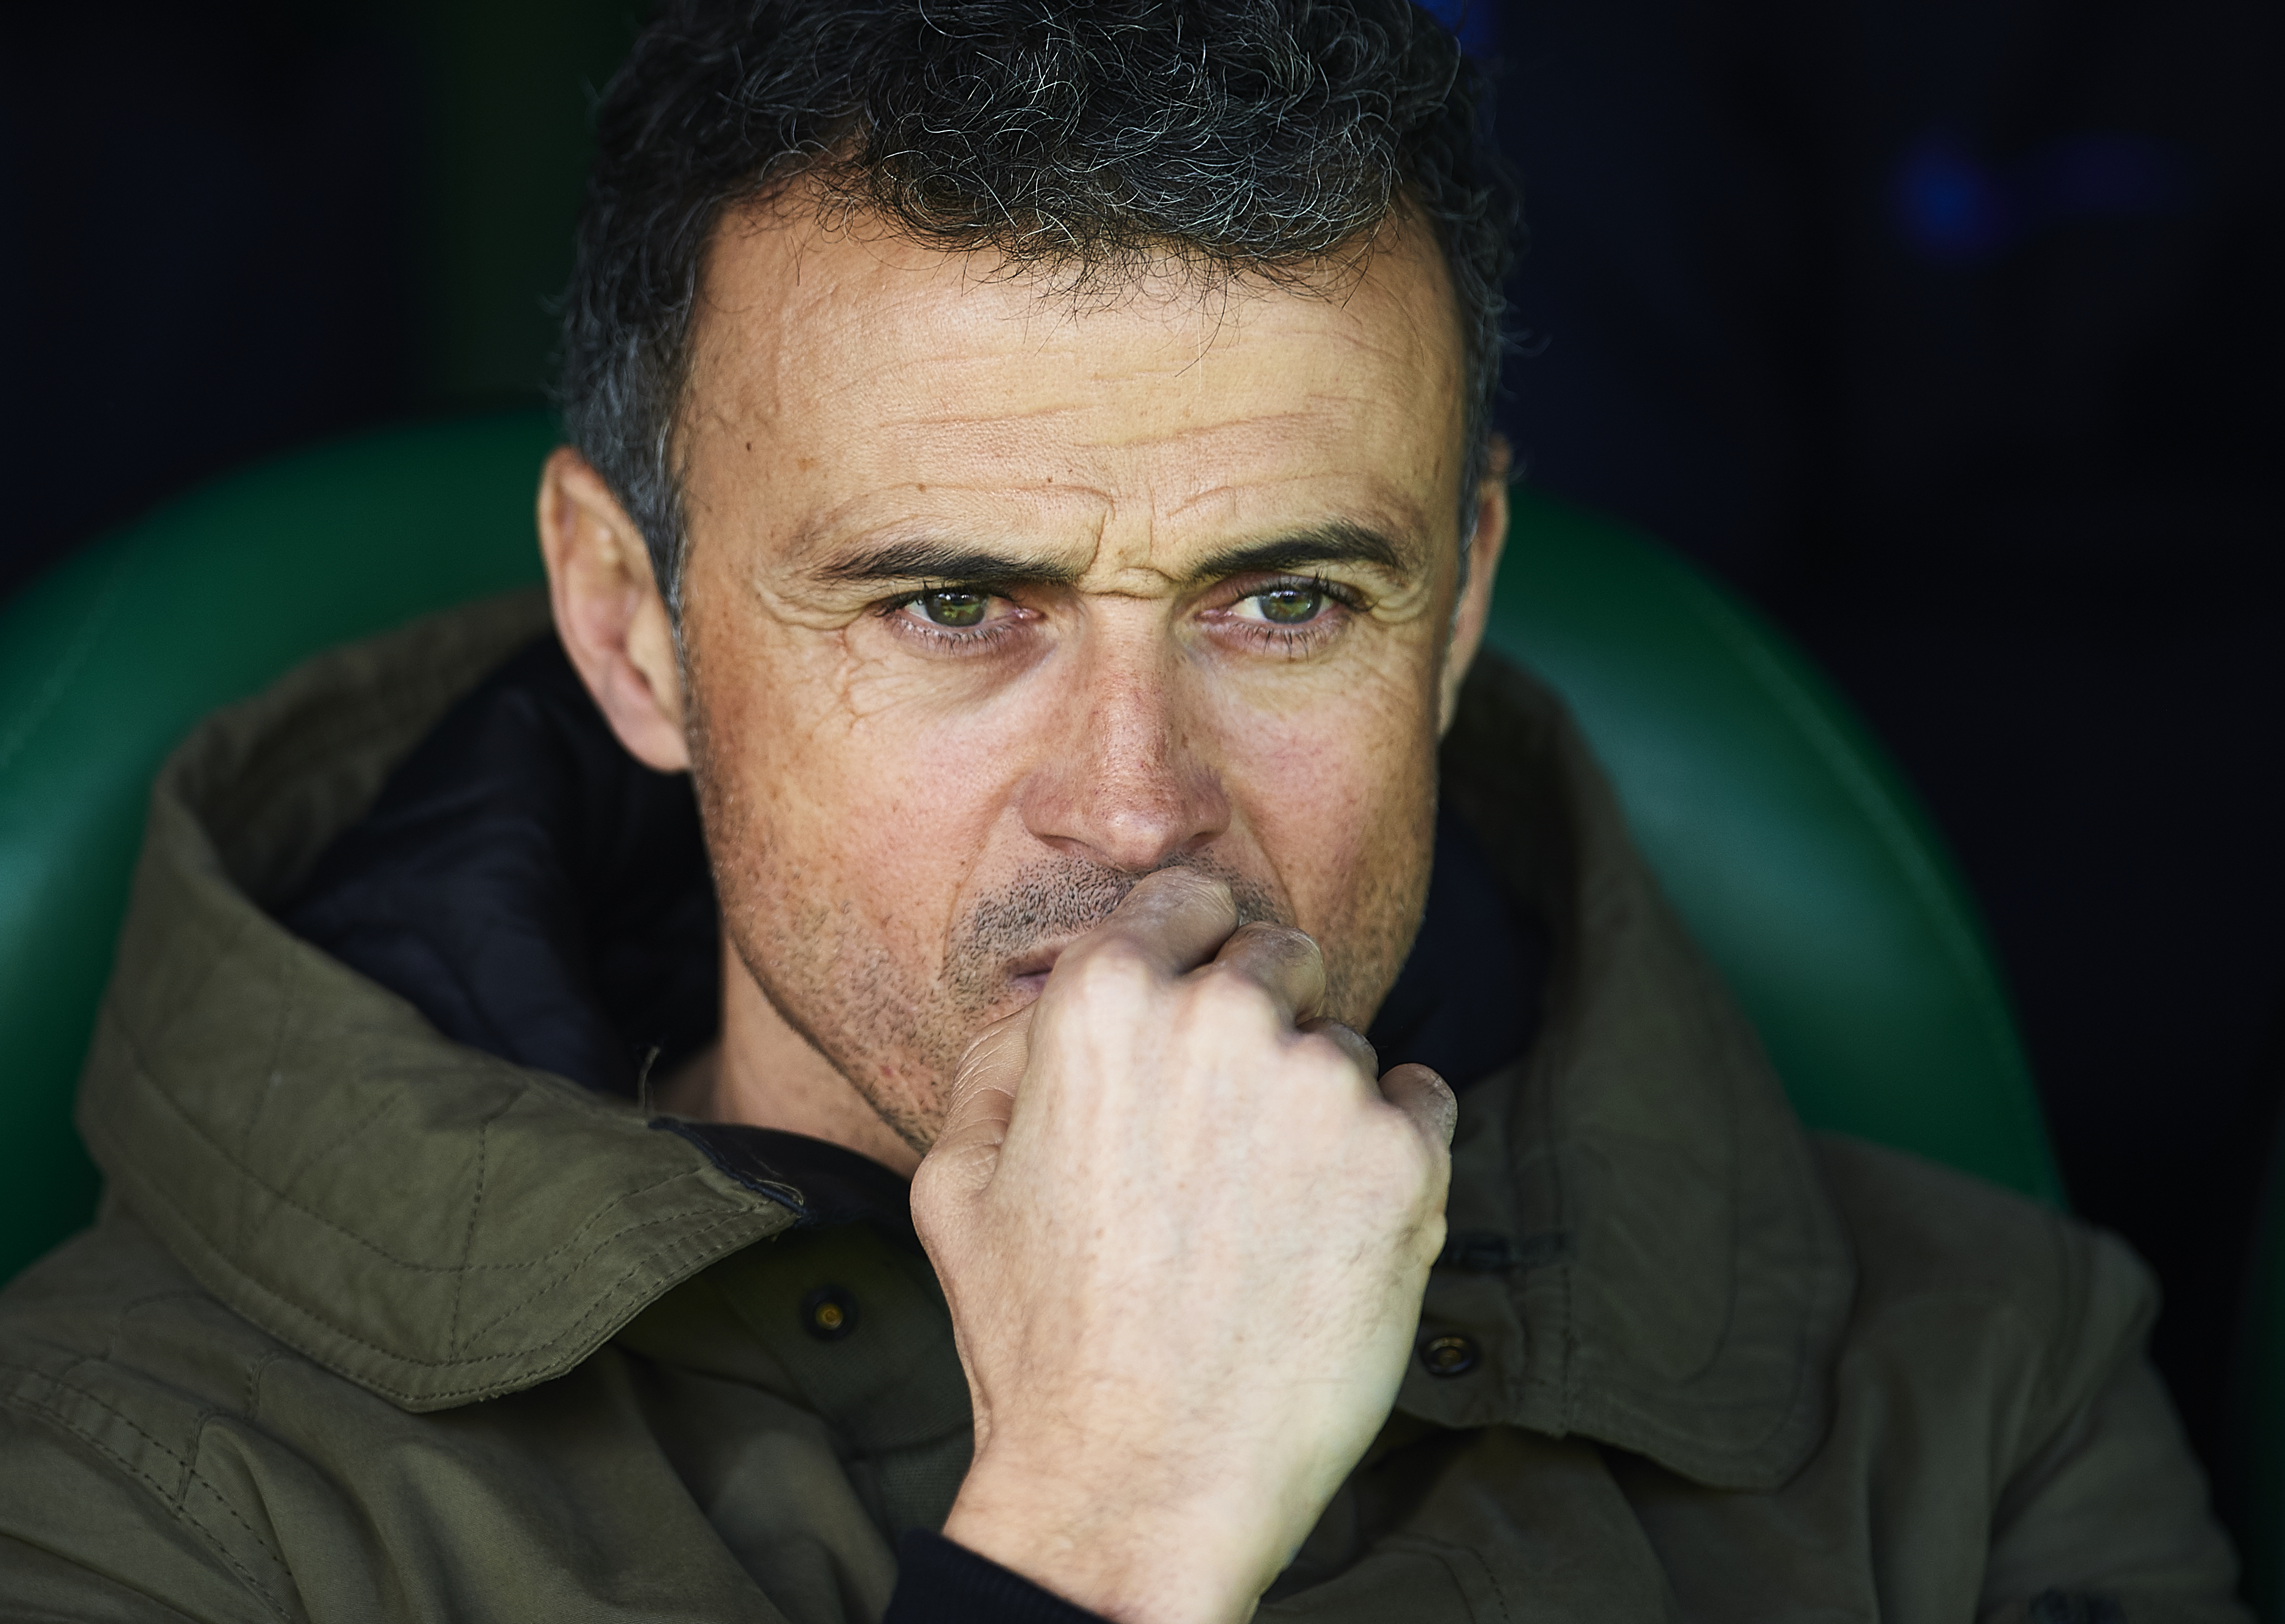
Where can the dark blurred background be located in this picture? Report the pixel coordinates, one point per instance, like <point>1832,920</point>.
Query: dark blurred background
<point>229,227</point>
<point>1953,333</point>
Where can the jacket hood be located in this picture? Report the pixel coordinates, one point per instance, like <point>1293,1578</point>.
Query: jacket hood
<point>1641,1245</point>
<point>433,1223</point>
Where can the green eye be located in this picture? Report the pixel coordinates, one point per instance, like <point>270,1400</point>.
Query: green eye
<point>956,609</point>
<point>1290,605</point>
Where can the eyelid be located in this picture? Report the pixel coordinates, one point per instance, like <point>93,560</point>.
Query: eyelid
<point>1237,589</point>
<point>906,599</point>
<point>1346,600</point>
<point>949,639</point>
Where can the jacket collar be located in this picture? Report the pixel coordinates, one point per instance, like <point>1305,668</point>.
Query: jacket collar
<point>1643,1249</point>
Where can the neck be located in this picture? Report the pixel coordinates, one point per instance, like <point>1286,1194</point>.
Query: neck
<point>764,1073</point>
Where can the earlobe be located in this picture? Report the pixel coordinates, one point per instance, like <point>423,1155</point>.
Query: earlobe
<point>608,612</point>
<point>1474,612</point>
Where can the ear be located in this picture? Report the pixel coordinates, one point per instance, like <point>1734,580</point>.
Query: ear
<point>608,612</point>
<point>1475,605</point>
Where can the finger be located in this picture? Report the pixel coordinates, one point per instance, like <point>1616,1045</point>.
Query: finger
<point>1426,1099</point>
<point>1174,920</point>
<point>1284,963</point>
<point>981,1100</point>
<point>1351,1042</point>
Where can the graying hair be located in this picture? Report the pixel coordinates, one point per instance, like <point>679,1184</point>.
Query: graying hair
<point>1093,138</point>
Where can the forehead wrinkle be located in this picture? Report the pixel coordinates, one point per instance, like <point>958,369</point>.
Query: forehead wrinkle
<point>957,369</point>
<point>1381,509</point>
<point>952,418</point>
<point>1069,435</point>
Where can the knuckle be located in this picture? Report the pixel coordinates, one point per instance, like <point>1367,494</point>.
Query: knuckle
<point>1325,1060</point>
<point>1224,994</point>
<point>929,1198</point>
<point>1399,1147</point>
<point>1285,939</point>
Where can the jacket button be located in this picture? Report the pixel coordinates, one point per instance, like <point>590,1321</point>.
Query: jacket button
<point>828,1314</point>
<point>1449,1355</point>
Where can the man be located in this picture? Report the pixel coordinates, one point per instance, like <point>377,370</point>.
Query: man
<point>1031,475</point>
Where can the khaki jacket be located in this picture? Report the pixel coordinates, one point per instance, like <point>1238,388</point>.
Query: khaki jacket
<point>378,1327</point>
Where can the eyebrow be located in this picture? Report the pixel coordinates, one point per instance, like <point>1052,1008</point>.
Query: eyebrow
<point>940,561</point>
<point>1337,542</point>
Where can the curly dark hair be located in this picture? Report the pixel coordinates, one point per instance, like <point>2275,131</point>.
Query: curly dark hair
<point>1090,135</point>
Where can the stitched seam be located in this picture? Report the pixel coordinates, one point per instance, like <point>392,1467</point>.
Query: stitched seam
<point>664,1259</point>
<point>128,1310</point>
<point>191,1124</point>
<point>25,1402</point>
<point>1443,1552</point>
<point>310,1164</point>
<point>1491,1578</point>
<point>254,1373</point>
<point>316,1317</point>
<point>269,1085</point>
<point>599,1305</point>
<point>221,945</point>
<point>20,1396</point>
<point>206,1419</point>
<point>469,1239</point>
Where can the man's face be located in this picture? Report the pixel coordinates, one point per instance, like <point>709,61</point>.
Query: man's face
<point>998,599</point>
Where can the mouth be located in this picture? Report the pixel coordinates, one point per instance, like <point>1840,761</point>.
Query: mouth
<point>1028,975</point>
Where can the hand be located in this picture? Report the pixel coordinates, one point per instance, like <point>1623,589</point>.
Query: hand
<point>1184,1234</point>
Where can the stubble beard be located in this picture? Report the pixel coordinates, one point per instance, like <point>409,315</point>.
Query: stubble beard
<point>897,1032</point>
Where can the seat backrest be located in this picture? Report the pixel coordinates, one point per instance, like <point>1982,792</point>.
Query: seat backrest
<point>1780,833</point>
<point>1801,861</point>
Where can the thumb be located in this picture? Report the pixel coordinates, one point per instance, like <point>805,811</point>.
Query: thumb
<point>1428,1102</point>
<point>979,1106</point>
<point>1425,1097</point>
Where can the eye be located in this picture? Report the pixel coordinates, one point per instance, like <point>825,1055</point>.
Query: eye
<point>1293,604</point>
<point>952,607</point>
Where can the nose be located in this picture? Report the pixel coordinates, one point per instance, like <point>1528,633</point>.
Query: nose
<point>1119,778</point>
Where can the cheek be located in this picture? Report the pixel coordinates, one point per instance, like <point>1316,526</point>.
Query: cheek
<point>1339,793</point>
<point>854,795</point>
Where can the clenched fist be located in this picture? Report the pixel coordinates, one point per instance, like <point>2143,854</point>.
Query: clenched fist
<point>1184,1232</point>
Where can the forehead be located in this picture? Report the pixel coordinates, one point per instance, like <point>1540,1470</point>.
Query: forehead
<point>868,380</point>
